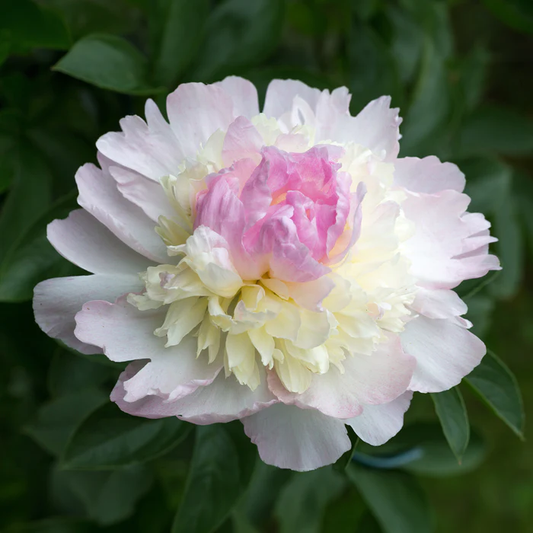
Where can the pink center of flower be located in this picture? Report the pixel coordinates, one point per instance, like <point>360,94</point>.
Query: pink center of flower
<point>289,217</point>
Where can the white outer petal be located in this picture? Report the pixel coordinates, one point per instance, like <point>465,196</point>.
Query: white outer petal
<point>84,241</point>
<point>147,194</point>
<point>367,379</point>
<point>124,333</point>
<point>428,175</point>
<point>223,400</point>
<point>438,303</point>
<point>445,353</point>
<point>376,127</point>
<point>56,302</point>
<point>448,245</point>
<point>195,112</point>
<point>299,439</point>
<point>150,148</point>
<point>100,197</point>
<point>280,96</point>
<point>379,423</point>
<point>243,94</point>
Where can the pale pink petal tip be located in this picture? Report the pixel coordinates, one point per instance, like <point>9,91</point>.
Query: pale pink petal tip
<point>299,439</point>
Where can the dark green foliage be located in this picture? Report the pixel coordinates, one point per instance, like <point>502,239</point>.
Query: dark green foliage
<point>395,499</point>
<point>496,384</point>
<point>219,473</point>
<point>109,62</point>
<point>69,70</point>
<point>451,410</point>
<point>109,438</point>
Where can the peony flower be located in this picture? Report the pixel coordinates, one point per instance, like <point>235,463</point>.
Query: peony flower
<point>284,268</point>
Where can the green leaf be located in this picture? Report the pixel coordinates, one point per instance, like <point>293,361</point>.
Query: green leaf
<point>266,483</point>
<point>434,17</point>
<point>69,373</point>
<point>343,515</point>
<point>395,498</point>
<point>217,479</point>
<point>498,387</point>
<point>55,421</point>
<point>89,16</point>
<point>239,33</point>
<point>490,184</point>
<point>21,209</point>
<point>368,524</point>
<point>407,42</point>
<point>473,72</point>
<point>429,452</point>
<point>64,146</point>
<point>524,201</point>
<point>518,14</point>
<point>109,438</point>
<point>451,410</point>
<point>108,497</point>
<point>424,125</point>
<point>31,25</point>
<point>109,62</point>
<point>5,45</point>
<point>54,525</point>
<point>29,264</point>
<point>306,20</point>
<point>31,258</point>
<point>372,69</point>
<point>177,30</point>
<point>303,500</point>
<point>480,309</point>
<point>366,9</point>
<point>494,129</point>
<point>241,524</point>
<point>487,181</point>
<point>345,459</point>
<point>509,248</point>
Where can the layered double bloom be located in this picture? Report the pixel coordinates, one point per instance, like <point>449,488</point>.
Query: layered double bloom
<point>284,268</point>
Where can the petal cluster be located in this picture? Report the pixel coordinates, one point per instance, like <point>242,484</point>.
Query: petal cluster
<point>282,267</point>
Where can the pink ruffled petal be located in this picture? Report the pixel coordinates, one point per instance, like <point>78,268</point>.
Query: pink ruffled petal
<point>221,210</point>
<point>289,259</point>
<point>269,177</point>
<point>299,439</point>
<point>341,243</point>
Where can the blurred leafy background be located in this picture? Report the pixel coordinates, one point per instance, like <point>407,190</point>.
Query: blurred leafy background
<point>462,73</point>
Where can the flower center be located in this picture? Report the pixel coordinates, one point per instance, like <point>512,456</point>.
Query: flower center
<point>274,264</point>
